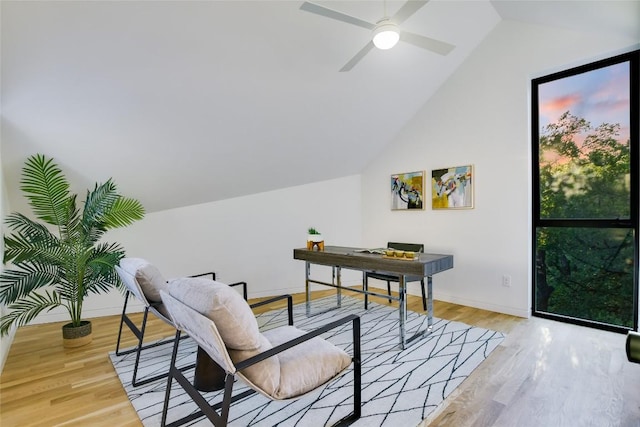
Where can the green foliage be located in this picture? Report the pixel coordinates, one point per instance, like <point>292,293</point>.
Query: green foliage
<point>60,269</point>
<point>590,272</point>
<point>313,231</point>
<point>583,180</point>
<point>584,272</point>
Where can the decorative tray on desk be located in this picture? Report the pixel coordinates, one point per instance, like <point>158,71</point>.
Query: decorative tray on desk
<point>415,258</point>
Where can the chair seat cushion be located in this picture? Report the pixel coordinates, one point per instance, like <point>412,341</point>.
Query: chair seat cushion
<point>263,375</point>
<point>302,368</point>
<point>148,277</point>
<point>219,302</point>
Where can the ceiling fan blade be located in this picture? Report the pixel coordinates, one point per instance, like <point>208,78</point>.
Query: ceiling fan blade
<point>408,9</point>
<point>353,61</point>
<point>428,43</point>
<point>334,14</point>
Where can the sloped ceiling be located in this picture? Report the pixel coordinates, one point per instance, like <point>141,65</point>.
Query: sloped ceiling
<point>189,102</point>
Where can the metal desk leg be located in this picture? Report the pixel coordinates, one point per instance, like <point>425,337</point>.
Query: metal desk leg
<point>365,288</point>
<point>406,342</point>
<point>338,273</point>
<point>307,269</point>
<point>402,290</point>
<point>429,303</point>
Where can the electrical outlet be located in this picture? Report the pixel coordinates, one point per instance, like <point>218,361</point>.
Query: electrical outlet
<point>506,280</point>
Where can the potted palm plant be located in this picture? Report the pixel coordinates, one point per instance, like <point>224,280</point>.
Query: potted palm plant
<point>61,260</point>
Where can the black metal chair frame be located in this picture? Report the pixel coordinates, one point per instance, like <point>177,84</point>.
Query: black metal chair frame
<point>414,247</point>
<point>220,419</point>
<point>633,346</point>
<point>139,332</point>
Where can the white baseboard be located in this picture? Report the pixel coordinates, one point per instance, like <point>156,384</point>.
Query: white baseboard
<point>135,306</point>
<point>496,308</point>
<point>88,313</point>
<point>441,296</point>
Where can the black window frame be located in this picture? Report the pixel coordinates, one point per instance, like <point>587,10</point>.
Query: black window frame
<point>633,222</point>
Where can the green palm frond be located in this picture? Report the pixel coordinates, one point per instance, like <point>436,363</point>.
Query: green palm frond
<point>99,202</point>
<point>25,310</point>
<point>46,188</point>
<point>31,240</point>
<point>19,249</point>
<point>124,212</point>
<point>101,275</point>
<point>71,231</point>
<point>24,225</point>
<point>104,257</point>
<point>103,283</point>
<point>18,283</point>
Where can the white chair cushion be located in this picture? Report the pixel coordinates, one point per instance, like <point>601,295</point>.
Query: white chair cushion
<point>297,370</point>
<point>264,375</point>
<point>148,277</point>
<point>219,302</point>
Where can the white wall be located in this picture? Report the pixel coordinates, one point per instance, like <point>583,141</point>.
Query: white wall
<point>248,238</point>
<point>480,116</point>
<point>5,341</point>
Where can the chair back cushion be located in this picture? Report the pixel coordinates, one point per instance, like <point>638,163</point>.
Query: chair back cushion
<point>147,275</point>
<point>411,247</point>
<point>222,304</point>
<point>201,329</point>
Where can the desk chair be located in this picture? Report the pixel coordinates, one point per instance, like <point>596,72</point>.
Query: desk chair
<point>284,363</point>
<point>144,281</point>
<point>411,247</point>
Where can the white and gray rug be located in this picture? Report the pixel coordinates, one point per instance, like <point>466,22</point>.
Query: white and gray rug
<point>399,388</point>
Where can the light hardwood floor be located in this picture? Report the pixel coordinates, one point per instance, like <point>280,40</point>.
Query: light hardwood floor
<point>543,374</point>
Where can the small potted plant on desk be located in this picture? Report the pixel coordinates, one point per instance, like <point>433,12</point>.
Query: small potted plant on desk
<point>315,240</point>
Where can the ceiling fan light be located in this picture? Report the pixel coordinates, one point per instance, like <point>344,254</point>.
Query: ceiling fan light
<point>386,35</point>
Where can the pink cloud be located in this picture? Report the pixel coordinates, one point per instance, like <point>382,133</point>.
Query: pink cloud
<point>556,106</point>
<point>562,103</point>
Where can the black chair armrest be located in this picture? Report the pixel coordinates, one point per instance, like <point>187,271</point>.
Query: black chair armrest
<point>306,337</point>
<point>213,275</point>
<point>278,298</point>
<point>244,288</point>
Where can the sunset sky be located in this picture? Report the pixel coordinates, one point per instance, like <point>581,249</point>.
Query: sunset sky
<point>599,96</point>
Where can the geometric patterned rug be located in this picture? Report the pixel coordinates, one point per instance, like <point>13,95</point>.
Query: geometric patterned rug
<point>399,388</point>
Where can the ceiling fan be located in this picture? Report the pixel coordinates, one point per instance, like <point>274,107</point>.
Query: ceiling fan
<point>386,32</point>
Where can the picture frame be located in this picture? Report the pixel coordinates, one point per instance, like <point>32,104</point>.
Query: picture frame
<point>407,191</point>
<point>452,187</point>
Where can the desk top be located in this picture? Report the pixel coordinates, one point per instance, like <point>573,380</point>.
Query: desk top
<point>340,256</point>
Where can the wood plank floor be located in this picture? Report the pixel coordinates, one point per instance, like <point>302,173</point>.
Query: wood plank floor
<point>544,374</point>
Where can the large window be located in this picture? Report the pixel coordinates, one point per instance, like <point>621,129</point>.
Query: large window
<point>585,193</point>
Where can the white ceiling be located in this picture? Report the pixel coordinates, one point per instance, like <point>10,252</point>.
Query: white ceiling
<point>189,102</point>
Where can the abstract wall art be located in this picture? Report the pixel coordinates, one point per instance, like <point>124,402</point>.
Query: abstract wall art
<point>407,191</point>
<point>452,188</point>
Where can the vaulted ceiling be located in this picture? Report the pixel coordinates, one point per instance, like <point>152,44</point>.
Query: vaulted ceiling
<point>189,102</point>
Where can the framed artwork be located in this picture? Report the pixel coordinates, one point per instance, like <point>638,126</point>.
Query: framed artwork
<point>407,191</point>
<point>452,188</point>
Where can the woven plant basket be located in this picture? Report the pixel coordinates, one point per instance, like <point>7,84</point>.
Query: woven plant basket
<point>76,336</point>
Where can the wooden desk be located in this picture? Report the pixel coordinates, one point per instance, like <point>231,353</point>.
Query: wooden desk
<point>338,257</point>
